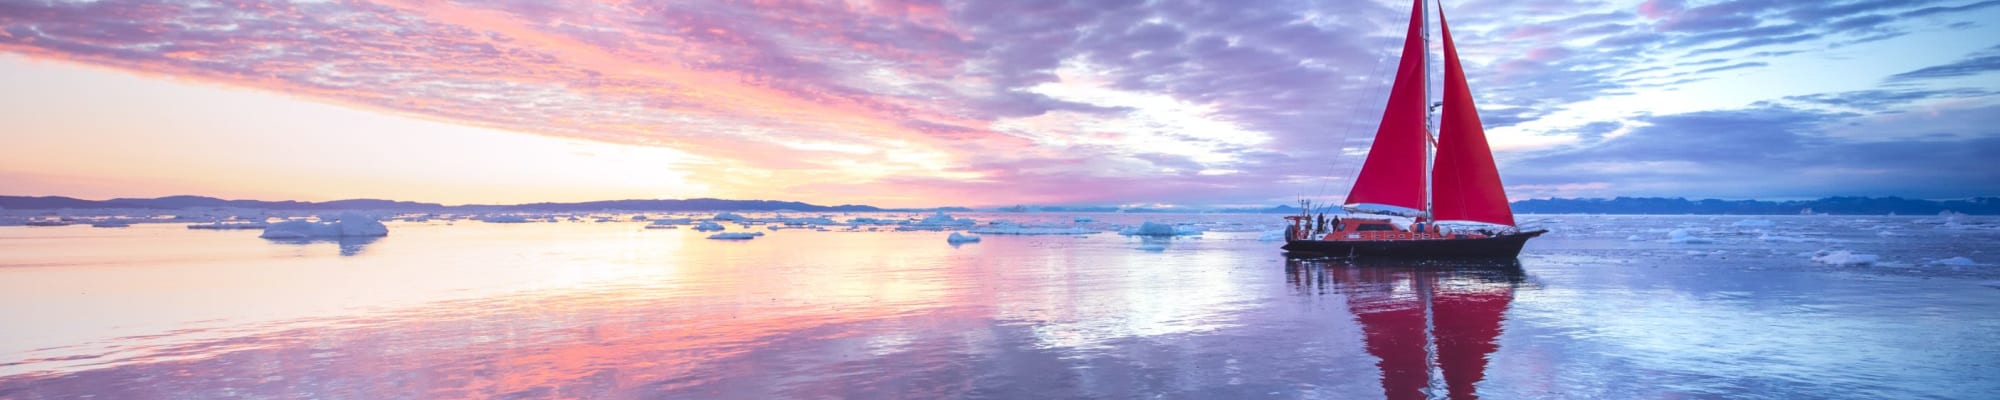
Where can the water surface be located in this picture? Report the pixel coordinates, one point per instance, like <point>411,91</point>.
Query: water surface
<point>1605,307</point>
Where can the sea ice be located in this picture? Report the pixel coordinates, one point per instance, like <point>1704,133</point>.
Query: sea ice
<point>956,238</point>
<point>708,226</point>
<point>1635,238</point>
<point>346,225</point>
<point>1844,258</point>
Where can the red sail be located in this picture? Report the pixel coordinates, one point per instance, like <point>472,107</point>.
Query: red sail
<point>1393,175</point>
<point>1466,323</point>
<point>1467,184</point>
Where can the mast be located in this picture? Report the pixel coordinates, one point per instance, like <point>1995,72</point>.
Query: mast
<point>1393,178</point>
<point>1429,190</point>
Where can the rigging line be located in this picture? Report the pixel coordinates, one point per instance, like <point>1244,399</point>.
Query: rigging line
<point>1345,132</point>
<point>1381,88</point>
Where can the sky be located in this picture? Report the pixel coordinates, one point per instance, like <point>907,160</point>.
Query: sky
<point>917,103</point>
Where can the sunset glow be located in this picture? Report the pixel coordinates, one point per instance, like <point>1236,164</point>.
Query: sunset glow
<point>913,103</point>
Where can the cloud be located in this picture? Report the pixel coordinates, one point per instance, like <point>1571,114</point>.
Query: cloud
<point>1777,151</point>
<point>964,102</point>
<point>1975,64</point>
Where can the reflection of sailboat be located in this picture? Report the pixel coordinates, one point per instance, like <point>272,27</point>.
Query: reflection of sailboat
<point>1420,318</point>
<point>1460,188</point>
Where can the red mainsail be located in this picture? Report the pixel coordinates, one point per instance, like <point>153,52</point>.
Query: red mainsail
<point>1393,175</point>
<point>1467,183</point>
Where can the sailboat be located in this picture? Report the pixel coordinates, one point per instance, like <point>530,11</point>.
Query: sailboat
<point>1457,206</point>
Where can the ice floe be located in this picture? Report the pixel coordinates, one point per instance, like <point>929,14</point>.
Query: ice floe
<point>1011,228</point>
<point>345,225</point>
<point>230,225</point>
<point>1844,258</point>
<point>1683,236</point>
<point>1755,223</point>
<point>504,219</point>
<point>957,238</point>
<point>736,235</point>
<point>1955,262</point>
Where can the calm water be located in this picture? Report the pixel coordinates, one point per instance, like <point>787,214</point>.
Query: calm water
<point>1605,307</point>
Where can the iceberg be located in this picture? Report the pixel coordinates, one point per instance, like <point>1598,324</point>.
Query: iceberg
<point>346,225</point>
<point>729,216</point>
<point>957,238</point>
<point>1150,228</point>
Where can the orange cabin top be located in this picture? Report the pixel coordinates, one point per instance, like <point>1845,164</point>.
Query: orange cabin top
<point>1375,229</point>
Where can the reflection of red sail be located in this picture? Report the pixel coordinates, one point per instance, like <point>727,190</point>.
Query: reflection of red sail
<point>1465,308</point>
<point>1465,324</point>
<point>1395,333</point>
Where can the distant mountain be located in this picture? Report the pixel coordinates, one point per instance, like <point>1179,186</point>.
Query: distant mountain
<point>1830,205</point>
<point>185,202</point>
<point>182,202</point>
<point>688,205</point>
<point>54,202</point>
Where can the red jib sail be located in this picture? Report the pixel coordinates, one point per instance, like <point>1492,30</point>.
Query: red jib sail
<point>1393,175</point>
<point>1467,184</point>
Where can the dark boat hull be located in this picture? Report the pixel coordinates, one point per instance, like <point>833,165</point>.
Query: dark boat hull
<point>1508,246</point>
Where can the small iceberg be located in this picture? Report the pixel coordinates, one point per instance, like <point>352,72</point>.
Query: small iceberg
<point>1842,258</point>
<point>1272,236</point>
<point>347,225</point>
<point>736,235</point>
<point>729,216</point>
<point>957,238</point>
<point>708,226</point>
